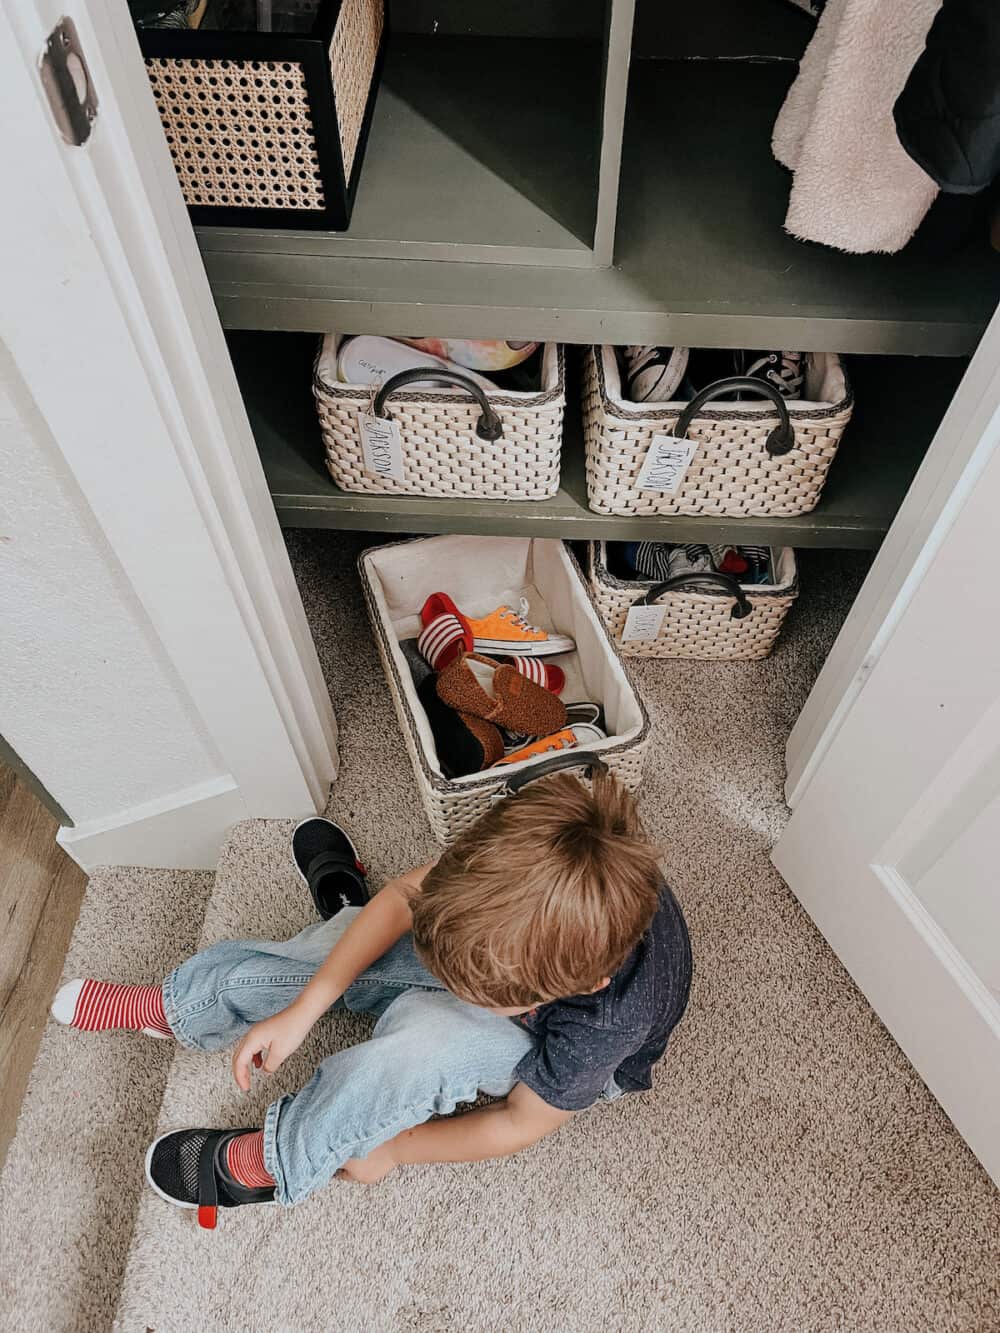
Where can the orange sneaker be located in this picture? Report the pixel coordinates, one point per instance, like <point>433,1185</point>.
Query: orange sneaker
<point>559,740</point>
<point>507,631</point>
<point>577,733</point>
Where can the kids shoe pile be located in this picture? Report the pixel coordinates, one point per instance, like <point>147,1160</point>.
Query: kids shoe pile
<point>487,710</point>
<point>666,560</point>
<point>492,364</point>
<point>661,374</point>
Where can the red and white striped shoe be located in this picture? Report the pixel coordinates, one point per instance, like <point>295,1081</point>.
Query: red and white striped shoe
<point>446,633</point>
<point>541,673</point>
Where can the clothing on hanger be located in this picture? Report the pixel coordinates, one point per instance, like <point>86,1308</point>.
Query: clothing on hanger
<point>948,114</point>
<point>855,186</point>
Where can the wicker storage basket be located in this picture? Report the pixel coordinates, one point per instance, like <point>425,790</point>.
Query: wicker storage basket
<point>455,441</point>
<point>481,573</point>
<point>268,129</point>
<point>751,458</point>
<point>708,616</point>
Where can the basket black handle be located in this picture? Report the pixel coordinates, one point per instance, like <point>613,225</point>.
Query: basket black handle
<point>574,759</point>
<point>704,581</point>
<point>488,427</point>
<point>780,441</point>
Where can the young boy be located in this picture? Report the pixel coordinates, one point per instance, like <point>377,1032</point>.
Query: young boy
<point>541,960</point>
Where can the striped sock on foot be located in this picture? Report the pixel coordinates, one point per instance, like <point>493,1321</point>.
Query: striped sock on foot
<point>103,1006</point>
<point>245,1160</point>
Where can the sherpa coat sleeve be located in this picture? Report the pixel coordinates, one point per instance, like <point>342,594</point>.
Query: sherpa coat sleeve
<point>948,114</point>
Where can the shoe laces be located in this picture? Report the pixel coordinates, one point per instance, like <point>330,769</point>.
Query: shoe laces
<point>788,377</point>
<point>519,618</point>
<point>639,353</point>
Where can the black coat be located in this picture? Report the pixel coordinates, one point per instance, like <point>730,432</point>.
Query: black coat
<point>948,115</point>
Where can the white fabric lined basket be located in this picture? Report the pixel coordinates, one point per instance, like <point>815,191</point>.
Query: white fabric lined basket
<point>454,440</point>
<point>709,617</point>
<point>481,573</point>
<point>761,458</point>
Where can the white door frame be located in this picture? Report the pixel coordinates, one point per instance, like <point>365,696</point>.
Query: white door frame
<point>892,849</point>
<point>223,603</point>
<point>957,454</point>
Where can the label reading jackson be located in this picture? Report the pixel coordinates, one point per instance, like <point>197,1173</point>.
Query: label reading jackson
<point>381,446</point>
<point>666,462</point>
<point>643,622</point>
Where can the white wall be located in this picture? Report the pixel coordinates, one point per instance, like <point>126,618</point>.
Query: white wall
<point>88,698</point>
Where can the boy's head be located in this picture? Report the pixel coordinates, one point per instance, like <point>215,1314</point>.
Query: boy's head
<point>545,897</point>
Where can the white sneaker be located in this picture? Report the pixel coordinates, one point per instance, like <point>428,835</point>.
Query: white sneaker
<point>507,631</point>
<point>653,374</point>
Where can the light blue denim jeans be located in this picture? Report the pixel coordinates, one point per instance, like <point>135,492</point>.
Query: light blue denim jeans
<point>428,1052</point>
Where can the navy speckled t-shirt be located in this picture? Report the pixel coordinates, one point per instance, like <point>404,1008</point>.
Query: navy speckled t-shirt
<point>619,1032</point>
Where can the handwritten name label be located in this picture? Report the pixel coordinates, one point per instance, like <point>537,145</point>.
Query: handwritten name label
<point>643,622</point>
<point>381,446</point>
<point>666,462</point>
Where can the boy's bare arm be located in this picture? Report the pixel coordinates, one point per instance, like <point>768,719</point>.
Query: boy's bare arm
<point>376,928</point>
<point>493,1131</point>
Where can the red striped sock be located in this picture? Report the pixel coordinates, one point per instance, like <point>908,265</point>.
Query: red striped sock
<point>245,1160</point>
<point>103,1005</point>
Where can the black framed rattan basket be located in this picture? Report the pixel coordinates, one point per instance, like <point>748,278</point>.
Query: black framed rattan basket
<point>268,129</point>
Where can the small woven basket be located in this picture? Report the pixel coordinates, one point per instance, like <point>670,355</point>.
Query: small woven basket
<point>472,445</point>
<point>760,458</point>
<point>709,617</point>
<point>454,805</point>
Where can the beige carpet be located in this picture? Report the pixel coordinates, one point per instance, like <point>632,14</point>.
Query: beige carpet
<point>70,1188</point>
<point>788,1172</point>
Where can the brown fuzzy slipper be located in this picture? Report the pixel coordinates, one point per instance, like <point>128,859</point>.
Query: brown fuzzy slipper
<point>464,744</point>
<point>477,685</point>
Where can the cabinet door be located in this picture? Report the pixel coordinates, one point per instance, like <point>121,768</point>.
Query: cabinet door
<point>894,844</point>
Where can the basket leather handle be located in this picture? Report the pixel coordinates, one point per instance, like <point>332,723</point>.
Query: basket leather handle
<point>780,441</point>
<point>704,581</point>
<point>488,427</point>
<point>573,759</point>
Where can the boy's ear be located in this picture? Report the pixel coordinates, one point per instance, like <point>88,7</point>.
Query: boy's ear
<point>601,985</point>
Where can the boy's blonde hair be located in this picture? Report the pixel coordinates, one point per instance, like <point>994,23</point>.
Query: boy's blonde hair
<point>543,898</point>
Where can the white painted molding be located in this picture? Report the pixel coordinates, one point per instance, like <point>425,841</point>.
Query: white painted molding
<point>959,451</point>
<point>184,831</point>
<point>110,321</point>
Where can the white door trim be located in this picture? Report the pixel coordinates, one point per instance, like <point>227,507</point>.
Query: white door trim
<point>960,449</point>
<point>893,846</point>
<point>191,525</point>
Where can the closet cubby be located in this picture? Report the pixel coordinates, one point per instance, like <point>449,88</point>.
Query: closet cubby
<point>485,147</point>
<point>523,182</point>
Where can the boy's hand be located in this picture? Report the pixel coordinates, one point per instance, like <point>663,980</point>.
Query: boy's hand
<point>371,1169</point>
<point>268,1044</point>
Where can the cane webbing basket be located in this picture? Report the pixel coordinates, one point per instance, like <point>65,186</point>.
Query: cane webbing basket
<point>255,148</point>
<point>453,806</point>
<point>697,624</point>
<point>268,128</point>
<point>732,473</point>
<point>354,50</point>
<point>443,452</point>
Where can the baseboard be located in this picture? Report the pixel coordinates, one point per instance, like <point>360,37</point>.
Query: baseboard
<point>182,831</point>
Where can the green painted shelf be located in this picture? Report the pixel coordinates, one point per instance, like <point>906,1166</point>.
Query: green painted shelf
<point>438,178</point>
<point>899,404</point>
<point>701,257</point>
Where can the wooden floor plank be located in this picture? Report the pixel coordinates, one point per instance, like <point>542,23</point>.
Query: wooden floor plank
<point>40,894</point>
